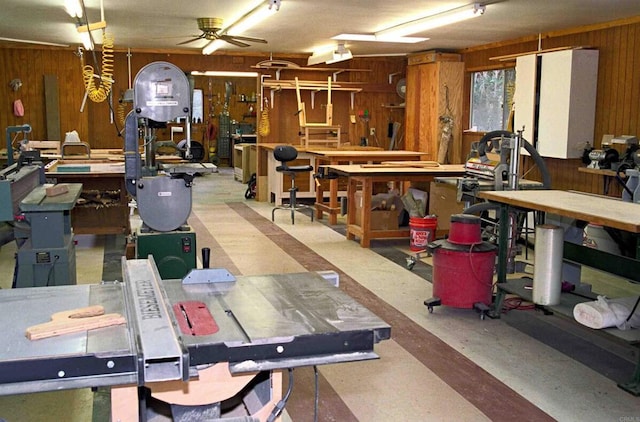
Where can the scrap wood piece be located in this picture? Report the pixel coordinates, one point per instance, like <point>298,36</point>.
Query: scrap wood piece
<point>56,190</point>
<point>73,321</point>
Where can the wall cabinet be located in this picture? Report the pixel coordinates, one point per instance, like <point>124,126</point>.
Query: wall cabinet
<point>434,90</point>
<point>565,85</point>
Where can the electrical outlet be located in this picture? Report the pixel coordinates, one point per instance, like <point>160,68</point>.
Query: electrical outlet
<point>372,131</point>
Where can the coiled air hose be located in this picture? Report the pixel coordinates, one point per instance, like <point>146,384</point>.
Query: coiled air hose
<point>264,128</point>
<point>99,93</point>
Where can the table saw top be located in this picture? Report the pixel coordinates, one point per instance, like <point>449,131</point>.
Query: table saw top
<point>265,322</point>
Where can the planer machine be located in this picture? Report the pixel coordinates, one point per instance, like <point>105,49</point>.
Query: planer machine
<point>494,164</point>
<point>209,335</point>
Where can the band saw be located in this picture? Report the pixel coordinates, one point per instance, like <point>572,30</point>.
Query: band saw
<point>163,195</point>
<point>178,331</point>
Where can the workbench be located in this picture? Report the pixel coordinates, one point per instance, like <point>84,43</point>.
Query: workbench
<point>330,157</point>
<point>580,206</point>
<point>96,176</point>
<point>273,186</point>
<point>365,177</point>
<point>255,325</point>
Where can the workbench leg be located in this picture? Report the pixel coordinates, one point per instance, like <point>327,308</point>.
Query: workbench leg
<point>333,201</point>
<point>125,404</point>
<point>503,250</point>
<point>351,207</point>
<point>633,386</point>
<point>367,193</point>
<point>319,200</point>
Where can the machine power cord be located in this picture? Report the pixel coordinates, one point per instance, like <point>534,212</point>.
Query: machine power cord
<point>53,265</point>
<point>277,410</point>
<point>634,309</point>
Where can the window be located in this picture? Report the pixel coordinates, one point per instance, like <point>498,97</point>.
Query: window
<point>491,99</point>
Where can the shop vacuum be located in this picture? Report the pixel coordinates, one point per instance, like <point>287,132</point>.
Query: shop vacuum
<point>463,267</point>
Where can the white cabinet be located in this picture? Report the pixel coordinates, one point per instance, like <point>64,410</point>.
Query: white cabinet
<point>565,84</point>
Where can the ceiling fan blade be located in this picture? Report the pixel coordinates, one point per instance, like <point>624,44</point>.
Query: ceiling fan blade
<point>230,40</point>
<point>191,40</point>
<point>250,39</point>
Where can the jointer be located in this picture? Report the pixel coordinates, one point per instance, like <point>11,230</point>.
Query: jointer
<point>192,342</point>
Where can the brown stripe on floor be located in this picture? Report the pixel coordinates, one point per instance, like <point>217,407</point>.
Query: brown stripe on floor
<point>206,240</point>
<point>484,391</point>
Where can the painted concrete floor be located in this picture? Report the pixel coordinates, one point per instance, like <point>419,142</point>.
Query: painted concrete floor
<point>514,352</point>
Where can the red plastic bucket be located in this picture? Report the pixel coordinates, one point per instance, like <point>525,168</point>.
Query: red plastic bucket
<point>422,231</point>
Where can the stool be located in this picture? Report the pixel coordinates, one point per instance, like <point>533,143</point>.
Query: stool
<point>285,154</point>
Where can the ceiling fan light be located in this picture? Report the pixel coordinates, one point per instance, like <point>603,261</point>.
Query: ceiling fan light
<point>73,8</point>
<point>437,20</point>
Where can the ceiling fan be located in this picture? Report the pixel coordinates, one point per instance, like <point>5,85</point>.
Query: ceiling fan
<point>212,30</point>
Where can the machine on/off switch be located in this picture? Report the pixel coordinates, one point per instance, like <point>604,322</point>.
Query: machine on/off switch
<point>186,245</point>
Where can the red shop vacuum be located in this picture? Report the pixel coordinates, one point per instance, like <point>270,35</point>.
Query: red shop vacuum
<point>463,267</point>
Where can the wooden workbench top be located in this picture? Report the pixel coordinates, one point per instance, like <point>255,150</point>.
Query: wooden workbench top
<point>601,210</point>
<point>360,170</point>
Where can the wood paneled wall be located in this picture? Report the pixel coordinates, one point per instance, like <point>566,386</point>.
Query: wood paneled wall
<point>95,125</point>
<point>618,96</point>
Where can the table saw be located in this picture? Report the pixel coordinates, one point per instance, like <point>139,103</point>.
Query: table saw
<point>177,330</point>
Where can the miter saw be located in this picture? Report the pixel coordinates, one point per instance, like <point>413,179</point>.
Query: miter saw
<point>161,94</point>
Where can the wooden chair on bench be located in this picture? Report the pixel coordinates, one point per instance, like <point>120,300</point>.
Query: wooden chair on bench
<point>325,133</point>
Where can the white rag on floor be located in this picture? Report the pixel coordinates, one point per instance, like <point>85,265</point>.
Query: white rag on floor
<point>605,313</point>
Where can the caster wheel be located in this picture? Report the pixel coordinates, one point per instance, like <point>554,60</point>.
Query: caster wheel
<point>481,317</point>
<point>411,262</point>
<point>430,309</point>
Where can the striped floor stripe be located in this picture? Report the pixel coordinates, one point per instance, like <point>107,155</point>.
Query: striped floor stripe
<point>489,395</point>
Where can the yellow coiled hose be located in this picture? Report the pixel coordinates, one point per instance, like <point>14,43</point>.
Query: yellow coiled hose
<point>121,112</point>
<point>264,128</point>
<point>99,93</point>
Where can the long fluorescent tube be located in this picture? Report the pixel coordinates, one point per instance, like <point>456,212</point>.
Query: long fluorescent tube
<point>213,46</point>
<point>227,73</point>
<point>249,20</point>
<point>330,55</point>
<point>85,37</point>
<point>73,8</point>
<point>373,38</point>
<point>434,21</point>
<point>33,42</point>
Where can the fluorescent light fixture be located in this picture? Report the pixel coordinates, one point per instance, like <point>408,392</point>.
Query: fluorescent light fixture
<point>251,19</point>
<point>331,55</point>
<point>73,8</point>
<point>373,38</point>
<point>33,42</point>
<point>87,42</point>
<point>227,73</point>
<point>247,21</point>
<point>433,21</point>
<point>212,46</point>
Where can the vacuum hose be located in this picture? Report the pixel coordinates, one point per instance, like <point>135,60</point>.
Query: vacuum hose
<point>101,92</point>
